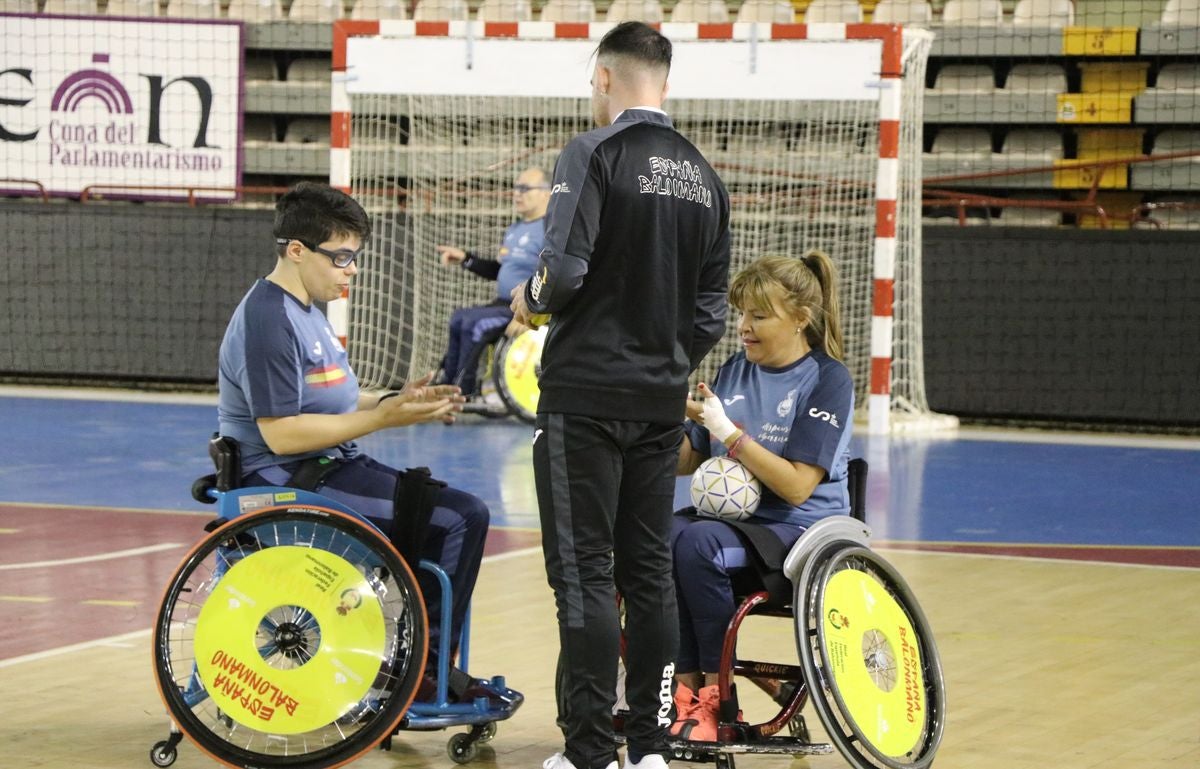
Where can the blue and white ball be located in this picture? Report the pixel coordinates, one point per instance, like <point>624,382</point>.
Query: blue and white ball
<point>724,488</point>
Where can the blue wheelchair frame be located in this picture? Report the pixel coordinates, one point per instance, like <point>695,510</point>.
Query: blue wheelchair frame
<point>480,713</point>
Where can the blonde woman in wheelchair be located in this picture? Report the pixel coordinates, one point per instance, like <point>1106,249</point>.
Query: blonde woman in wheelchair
<point>782,407</point>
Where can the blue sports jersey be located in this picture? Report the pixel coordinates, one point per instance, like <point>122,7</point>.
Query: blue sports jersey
<point>280,358</point>
<point>802,413</point>
<point>519,255</point>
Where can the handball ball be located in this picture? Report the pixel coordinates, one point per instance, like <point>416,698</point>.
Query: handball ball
<point>723,488</point>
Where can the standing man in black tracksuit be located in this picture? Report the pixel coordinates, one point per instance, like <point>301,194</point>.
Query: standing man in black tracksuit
<point>633,274</point>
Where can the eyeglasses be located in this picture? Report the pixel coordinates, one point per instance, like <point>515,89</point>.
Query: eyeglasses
<point>341,258</point>
<point>521,189</point>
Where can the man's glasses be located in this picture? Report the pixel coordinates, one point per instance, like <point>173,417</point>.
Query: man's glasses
<point>521,189</point>
<point>341,258</point>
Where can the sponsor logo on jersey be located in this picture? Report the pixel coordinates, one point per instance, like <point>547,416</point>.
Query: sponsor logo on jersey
<point>536,434</point>
<point>734,399</point>
<point>537,283</point>
<point>325,376</point>
<point>824,416</point>
<point>785,406</point>
<point>561,187</point>
<point>682,181</point>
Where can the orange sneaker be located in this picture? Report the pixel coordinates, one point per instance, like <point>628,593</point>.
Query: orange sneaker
<point>699,722</point>
<point>685,703</point>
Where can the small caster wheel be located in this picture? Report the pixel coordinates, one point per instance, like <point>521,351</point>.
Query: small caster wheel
<point>461,748</point>
<point>163,754</point>
<point>487,732</point>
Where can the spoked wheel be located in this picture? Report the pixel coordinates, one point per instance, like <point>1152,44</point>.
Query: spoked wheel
<point>518,366</point>
<point>870,660</point>
<point>290,637</point>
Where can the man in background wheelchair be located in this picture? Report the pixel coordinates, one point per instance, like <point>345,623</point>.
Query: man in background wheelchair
<point>290,400</point>
<point>472,329</point>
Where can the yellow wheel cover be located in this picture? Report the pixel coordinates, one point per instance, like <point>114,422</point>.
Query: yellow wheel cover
<point>342,668</point>
<point>874,659</point>
<point>520,368</point>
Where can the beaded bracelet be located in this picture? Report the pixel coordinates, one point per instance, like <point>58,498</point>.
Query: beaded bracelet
<point>733,449</point>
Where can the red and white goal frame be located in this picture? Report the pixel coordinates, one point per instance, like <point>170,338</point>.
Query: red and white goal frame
<point>358,65</point>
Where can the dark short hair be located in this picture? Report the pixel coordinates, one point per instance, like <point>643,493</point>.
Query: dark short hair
<point>315,212</point>
<point>638,41</point>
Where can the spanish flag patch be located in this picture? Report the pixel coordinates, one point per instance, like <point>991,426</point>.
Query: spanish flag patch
<point>327,376</point>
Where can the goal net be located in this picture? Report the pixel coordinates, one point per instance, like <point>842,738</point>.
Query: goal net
<point>815,131</point>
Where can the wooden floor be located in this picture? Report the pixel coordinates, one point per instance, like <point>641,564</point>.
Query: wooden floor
<point>1048,664</point>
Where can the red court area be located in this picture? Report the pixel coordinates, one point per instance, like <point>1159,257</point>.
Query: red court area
<point>74,575</point>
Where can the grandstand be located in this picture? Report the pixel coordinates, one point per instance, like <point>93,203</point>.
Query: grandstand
<point>1049,116</point>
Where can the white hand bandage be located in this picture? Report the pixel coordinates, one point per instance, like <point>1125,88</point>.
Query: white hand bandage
<point>713,414</point>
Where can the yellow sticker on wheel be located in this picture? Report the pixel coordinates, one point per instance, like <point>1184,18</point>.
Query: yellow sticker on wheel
<point>520,373</point>
<point>289,639</point>
<point>875,661</point>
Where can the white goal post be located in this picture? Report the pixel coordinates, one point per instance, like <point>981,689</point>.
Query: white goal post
<point>815,130</point>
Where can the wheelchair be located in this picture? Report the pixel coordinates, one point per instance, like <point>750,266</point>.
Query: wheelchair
<point>294,636</point>
<point>866,657</point>
<point>508,376</point>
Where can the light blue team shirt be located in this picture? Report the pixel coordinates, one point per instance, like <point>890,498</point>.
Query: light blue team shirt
<point>519,252</point>
<point>802,413</point>
<point>280,358</point>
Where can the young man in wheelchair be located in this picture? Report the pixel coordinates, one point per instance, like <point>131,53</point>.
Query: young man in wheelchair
<point>782,407</point>
<point>288,397</point>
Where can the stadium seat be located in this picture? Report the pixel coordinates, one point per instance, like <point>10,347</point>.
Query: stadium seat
<point>701,11</point>
<point>71,7</point>
<point>18,6</point>
<point>260,68</point>
<point>442,10</point>
<point>1037,78</point>
<point>634,10</point>
<point>1177,140</point>
<point>1038,145</point>
<point>307,130</point>
<point>135,8</point>
<point>1013,216</point>
<point>963,143</point>
<point>310,70</point>
<point>911,12</point>
<point>1179,77</point>
<point>1044,13</point>
<point>255,10</point>
<point>773,11</point>
<point>258,128</point>
<point>966,78</point>
<point>315,10</point>
<point>1182,13</point>
<point>569,10</point>
<point>193,9</point>
<point>972,13</point>
<point>505,10</point>
<point>833,12</point>
<point>379,9</point>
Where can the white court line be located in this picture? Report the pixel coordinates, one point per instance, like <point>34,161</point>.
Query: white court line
<point>91,558</point>
<point>110,641</point>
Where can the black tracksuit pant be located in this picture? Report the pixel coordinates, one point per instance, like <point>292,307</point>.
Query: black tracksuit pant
<point>605,491</point>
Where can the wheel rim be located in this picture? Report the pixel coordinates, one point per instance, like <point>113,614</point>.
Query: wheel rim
<point>291,637</point>
<point>518,371</point>
<point>873,668</point>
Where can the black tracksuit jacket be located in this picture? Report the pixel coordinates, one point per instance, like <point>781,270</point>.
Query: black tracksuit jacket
<point>634,271</point>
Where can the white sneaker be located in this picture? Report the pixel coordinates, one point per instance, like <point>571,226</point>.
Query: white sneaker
<point>560,761</point>
<point>651,761</point>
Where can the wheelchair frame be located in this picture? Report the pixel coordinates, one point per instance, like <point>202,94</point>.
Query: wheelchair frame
<point>240,510</point>
<point>828,547</point>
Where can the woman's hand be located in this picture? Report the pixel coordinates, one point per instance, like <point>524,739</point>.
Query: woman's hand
<point>712,416</point>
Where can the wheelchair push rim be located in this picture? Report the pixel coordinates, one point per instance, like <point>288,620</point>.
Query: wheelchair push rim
<point>293,636</point>
<point>869,656</point>
<point>517,368</point>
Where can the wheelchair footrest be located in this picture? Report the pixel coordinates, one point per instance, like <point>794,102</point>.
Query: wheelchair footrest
<point>486,701</point>
<point>691,750</point>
